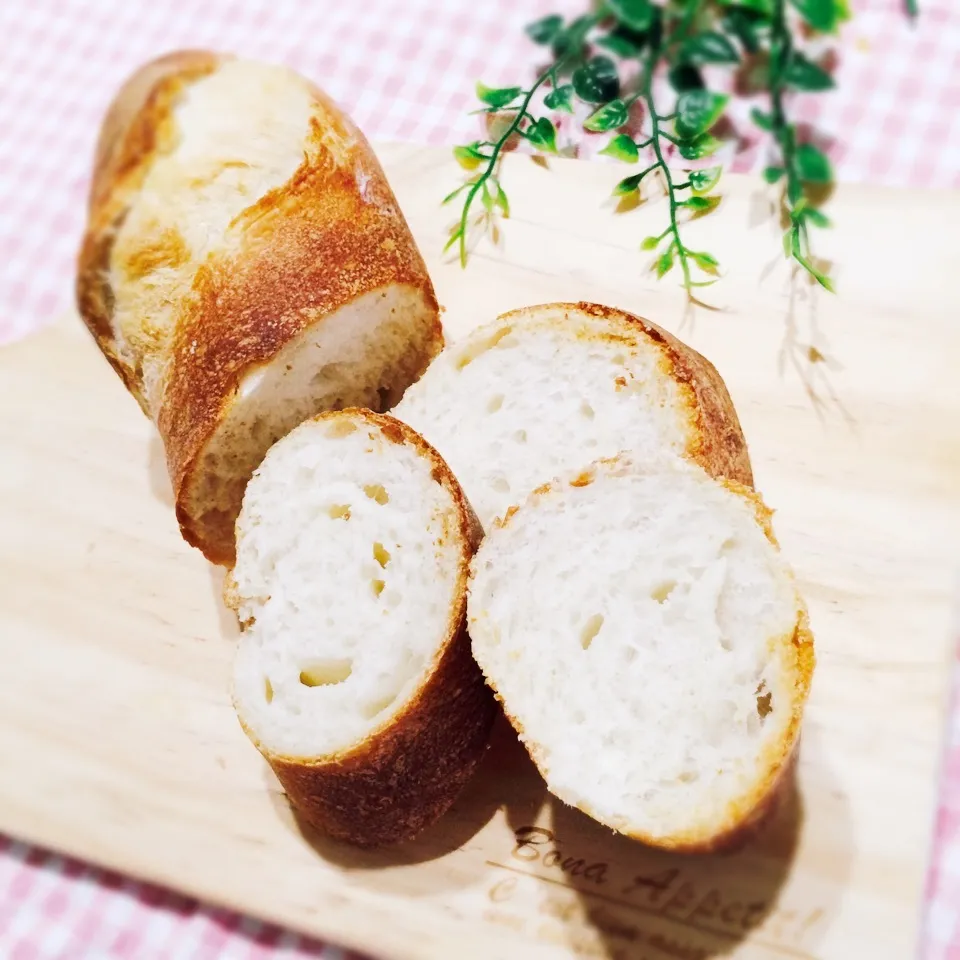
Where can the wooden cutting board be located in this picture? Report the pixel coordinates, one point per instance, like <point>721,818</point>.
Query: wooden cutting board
<point>118,743</point>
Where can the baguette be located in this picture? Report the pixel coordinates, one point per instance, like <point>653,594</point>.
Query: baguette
<point>547,389</point>
<point>245,265</point>
<point>353,675</point>
<point>650,647</point>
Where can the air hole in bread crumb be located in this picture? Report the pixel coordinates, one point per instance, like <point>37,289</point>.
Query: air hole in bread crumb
<point>371,709</point>
<point>378,586</point>
<point>590,629</point>
<point>495,403</point>
<point>520,436</point>
<point>325,673</point>
<point>619,359</point>
<point>501,485</point>
<point>381,554</point>
<point>586,411</point>
<point>267,690</point>
<point>764,700</point>
<point>339,511</point>
<point>662,591</point>
<point>689,776</point>
<point>376,491</point>
<point>341,427</point>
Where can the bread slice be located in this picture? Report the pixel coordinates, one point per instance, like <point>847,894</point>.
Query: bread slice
<point>550,388</point>
<point>353,675</point>
<point>245,266</point>
<point>649,645</point>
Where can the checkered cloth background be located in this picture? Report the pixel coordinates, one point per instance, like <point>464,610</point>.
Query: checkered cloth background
<point>404,69</point>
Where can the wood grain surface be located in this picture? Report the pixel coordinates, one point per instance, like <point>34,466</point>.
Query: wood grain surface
<point>118,743</point>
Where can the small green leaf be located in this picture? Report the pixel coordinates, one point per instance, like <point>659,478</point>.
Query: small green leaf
<point>843,9</point>
<point>487,198</point>
<point>699,147</point>
<point>455,235</point>
<point>453,193</point>
<point>786,245</point>
<point>665,261</point>
<point>814,216</point>
<point>709,47</point>
<point>743,25</point>
<point>497,97</point>
<point>812,164</point>
<point>568,43</point>
<point>685,76</point>
<point>822,15</point>
<point>762,7</point>
<point>650,243</point>
<point>629,184</point>
<point>698,111</point>
<point>622,147</point>
<point>608,117</point>
<point>469,156</point>
<point>623,42</point>
<point>597,80</point>
<point>804,74</point>
<point>543,135</point>
<point>821,278</point>
<point>703,181</point>
<point>706,262</point>
<point>697,203</point>
<point>763,120</point>
<point>773,174</point>
<point>636,14</point>
<point>544,31</point>
<point>560,98</point>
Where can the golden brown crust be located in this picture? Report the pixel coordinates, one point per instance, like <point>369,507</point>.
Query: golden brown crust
<point>310,248</point>
<point>778,762</point>
<point>136,127</point>
<point>717,440</point>
<point>407,773</point>
<point>331,234</point>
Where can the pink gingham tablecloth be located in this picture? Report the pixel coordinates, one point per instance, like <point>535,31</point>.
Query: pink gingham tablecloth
<point>405,70</point>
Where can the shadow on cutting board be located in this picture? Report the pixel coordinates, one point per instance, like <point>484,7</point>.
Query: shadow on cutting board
<point>505,772</point>
<point>602,895</point>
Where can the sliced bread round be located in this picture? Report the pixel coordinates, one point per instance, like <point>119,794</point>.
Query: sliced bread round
<point>353,675</point>
<point>549,388</point>
<point>649,645</point>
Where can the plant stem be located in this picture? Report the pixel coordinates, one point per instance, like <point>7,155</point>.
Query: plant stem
<point>492,163</point>
<point>779,58</point>
<point>780,52</point>
<point>674,227</point>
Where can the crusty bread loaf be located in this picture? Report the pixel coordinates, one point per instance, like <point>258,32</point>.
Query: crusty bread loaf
<point>550,388</point>
<point>353,674</point>
<point>245,266</point>
<point>649,645</point>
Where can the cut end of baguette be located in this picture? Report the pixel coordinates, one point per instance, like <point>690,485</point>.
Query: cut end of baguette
<point>548,388</point>
<point>245,266</point>
<point>363,355</point>
<point>658,669</point>
<point>353,674</point>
